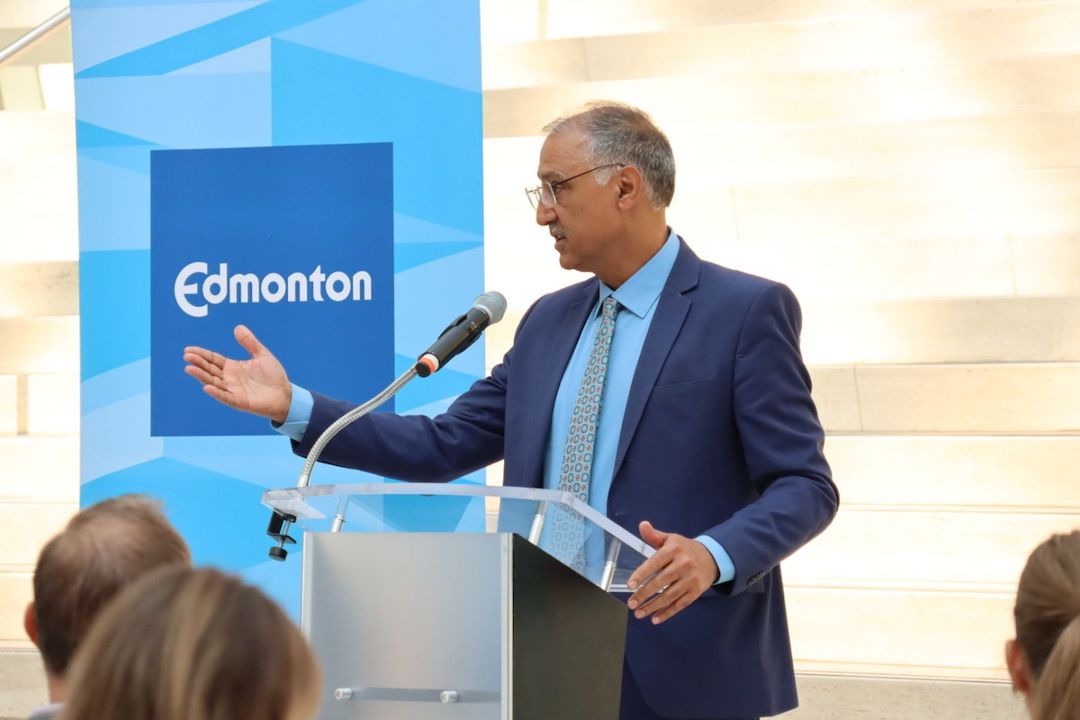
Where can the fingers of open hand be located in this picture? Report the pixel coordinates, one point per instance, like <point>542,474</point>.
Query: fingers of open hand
<point>201,375</point>
<point>209,362</point>
<point>675,583</point>
<point>646,571</point>
<point>206,372</point>
<point>248,341</point>
<point>644,601</point>
<point>677,602</point>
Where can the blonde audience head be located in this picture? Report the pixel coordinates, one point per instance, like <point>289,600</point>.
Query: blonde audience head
<point>1044,659</point>
<point>193,644</point>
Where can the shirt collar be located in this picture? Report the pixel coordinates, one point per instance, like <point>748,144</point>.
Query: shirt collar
<point>641,291</point>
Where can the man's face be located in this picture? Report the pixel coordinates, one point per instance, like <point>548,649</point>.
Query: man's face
<point>584,219</point>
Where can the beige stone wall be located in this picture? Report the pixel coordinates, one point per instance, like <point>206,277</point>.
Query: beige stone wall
<point>39,346</point>
<point>910,167</point>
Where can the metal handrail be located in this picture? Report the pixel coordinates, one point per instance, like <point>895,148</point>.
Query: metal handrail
<point>34,36</point>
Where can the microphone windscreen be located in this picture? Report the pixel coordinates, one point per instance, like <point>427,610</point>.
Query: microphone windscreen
<point>493,303</point>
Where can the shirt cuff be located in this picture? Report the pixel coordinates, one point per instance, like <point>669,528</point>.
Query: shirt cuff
<point>299,416</point>
<point>720,555</point>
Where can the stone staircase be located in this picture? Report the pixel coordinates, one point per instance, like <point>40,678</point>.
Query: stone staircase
<point>910,167</point>
<point>39,326</point>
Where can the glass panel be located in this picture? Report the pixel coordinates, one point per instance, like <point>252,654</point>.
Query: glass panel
<point>558,523</point>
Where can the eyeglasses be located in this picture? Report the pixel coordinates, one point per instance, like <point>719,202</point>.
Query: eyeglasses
<point>544,193</point>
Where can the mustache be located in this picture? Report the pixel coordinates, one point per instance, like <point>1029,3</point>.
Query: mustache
<point>556,231</point>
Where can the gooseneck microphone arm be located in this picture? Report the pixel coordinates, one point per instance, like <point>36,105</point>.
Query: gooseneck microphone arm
<point>280,522</point>
<point>347,419</point>
<point>460,334</point>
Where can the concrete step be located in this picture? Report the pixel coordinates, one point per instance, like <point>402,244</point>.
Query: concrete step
<point>22,683</point>
<point>851,267</point>
<point>869,269</point>
<point>871,40</point>
<point>928,634</point>
<point>16,587</point>
<point>52,404</point>
<point>954,204</point>
<point>971,399</point>
<point>972,89</point>
<point>919,548</point>
<point>712,155</point>
<point>39,468</point>
<point>39,289</point>
<point>506,21</point>
<point>9,405</point>
<point>38,200</point>
<point>39,345</point>
<point>1035,473</point>
<point>39,404</point>
<point>833,697</point>
<point>29,136</point>
<point>33,523</point>
<point>49,86</point>
<point>953,330</point>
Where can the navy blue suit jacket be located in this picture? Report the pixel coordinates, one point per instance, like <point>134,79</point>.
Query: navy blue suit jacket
<point>720,437</point>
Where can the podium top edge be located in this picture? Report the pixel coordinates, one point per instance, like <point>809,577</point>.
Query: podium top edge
<point>294,500</point>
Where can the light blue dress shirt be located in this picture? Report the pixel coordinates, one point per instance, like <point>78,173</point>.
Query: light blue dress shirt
<point>639,296</point>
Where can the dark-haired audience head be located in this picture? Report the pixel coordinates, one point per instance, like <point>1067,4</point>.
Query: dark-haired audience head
<point>100,551</point>
<point>193,644</point>
<point>1044,659</point>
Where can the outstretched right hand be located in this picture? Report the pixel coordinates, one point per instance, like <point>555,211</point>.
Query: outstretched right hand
<point>258,385</point>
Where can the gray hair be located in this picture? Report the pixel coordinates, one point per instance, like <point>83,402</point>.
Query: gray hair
<point>622,134</point>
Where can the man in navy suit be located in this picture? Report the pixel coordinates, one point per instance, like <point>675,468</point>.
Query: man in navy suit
<point>707,442</point>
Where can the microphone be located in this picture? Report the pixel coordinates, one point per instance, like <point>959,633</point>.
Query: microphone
<point>488,309</point>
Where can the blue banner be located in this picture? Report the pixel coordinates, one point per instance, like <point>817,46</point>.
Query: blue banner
<point>309,168</point>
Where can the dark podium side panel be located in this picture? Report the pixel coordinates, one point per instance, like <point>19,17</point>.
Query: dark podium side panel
<point>568,641</point>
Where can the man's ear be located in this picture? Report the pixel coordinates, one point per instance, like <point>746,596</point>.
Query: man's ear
<point>30,622</point>
<point>1019,670</point>
<point>630,186</point>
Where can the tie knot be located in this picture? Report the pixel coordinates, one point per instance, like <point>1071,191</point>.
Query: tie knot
<point>610,307</point>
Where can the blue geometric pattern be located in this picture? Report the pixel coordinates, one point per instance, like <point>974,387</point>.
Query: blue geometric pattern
<point>191,74</point>
<point>215,38</point>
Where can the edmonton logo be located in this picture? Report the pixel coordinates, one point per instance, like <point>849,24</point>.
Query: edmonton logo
<point>196,288</point>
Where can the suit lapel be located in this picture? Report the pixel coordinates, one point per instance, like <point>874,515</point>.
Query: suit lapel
<point>671,312</point>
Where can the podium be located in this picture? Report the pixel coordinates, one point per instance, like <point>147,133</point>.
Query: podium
<point>461,602</point>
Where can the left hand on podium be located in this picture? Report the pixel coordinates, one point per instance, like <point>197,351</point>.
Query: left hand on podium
<point>675,576</point>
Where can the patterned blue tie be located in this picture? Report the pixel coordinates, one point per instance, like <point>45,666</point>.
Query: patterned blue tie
<point>576,467</point>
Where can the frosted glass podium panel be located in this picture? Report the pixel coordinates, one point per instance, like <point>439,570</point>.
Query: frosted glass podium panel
<point>555,521</point>
<point>428,602</point>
